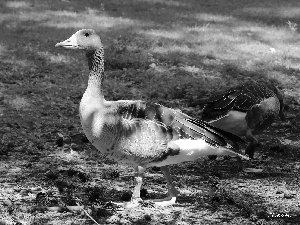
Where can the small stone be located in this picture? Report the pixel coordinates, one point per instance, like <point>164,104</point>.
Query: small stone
<point>289,195</point>
<point>103,212</point>
<point>40,147</point>
<point>113,219</point>
<point>85,140</point>
<point>126,196</point>
<point>71,172</point>
<point>143,193</point>
<point>82,176</point>
<point>277,149</point>
<point>261,222</point>
<point>215,199</point>
<point>152,65</point>
<point>10,145</point>
<point>7,202</point>
<point>51,175</point>
<point>253,218</point>
<point>35,189</point>
<point>156,169</point>
<point>75,147</point>
<point>230,201</point>
<point>125,222</point>
<point>59,142</point>
<point>71,127</point>
<point>263,215</point>
<point>28,165</point>
<point>147,217</point>
<point>211,57</point>
<point>24,193</point>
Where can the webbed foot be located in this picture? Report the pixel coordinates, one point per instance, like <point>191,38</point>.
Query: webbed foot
<point>165,202</point>
<point>152,203</point>
<point>134,202</point>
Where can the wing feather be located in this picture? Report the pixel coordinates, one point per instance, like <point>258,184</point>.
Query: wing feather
<point>240,98</point>
<point>172,124</point>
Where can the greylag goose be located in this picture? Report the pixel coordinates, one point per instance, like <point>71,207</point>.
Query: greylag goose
<point>137,133</point>
<point>245,110</point>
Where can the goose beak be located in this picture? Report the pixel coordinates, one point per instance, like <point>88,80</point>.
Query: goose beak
<point>70,43</point>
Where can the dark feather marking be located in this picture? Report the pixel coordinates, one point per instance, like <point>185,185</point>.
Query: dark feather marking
<point>225,103</point>
<point>212,138</point>
<point>240,98</point>
<point>217,131</point>
<point>165,155</point>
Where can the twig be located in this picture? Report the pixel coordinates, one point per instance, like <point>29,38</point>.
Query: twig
<point>87,214</point>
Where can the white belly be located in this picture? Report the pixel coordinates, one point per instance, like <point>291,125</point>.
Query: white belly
<point>191,150</point>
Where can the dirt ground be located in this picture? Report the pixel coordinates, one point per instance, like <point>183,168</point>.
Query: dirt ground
<point>172,52</point>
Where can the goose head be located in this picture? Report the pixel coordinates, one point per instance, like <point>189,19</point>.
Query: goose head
<point>85,39</point>
<point>280,95</point>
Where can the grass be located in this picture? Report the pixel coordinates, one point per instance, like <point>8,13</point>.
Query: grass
<point>169,51</point>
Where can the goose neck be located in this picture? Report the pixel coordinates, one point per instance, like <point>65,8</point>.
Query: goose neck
<point>96,70</point>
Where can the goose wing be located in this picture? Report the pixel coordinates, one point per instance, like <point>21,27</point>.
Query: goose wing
<point>240,98</point>
<point>169,124</point>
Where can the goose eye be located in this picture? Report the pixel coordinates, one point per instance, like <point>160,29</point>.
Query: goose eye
<point>86,34</point>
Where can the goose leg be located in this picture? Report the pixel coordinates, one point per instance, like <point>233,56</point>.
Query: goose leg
<point>239,160</point>
<point>135,198</point>
<point>212,157</point>
<point>252,145</point>
<point>240,164</point>
<point>173,193</point>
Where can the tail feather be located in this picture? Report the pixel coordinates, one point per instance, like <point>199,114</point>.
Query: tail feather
<point>224,134</point>
<point>193,149</point>
<point>234,153</point>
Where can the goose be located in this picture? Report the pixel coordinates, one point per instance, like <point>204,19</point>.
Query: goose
<point>245,110</point>
<point>138,133</point>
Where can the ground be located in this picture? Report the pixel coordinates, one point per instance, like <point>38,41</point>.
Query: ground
<point>174,52</point>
